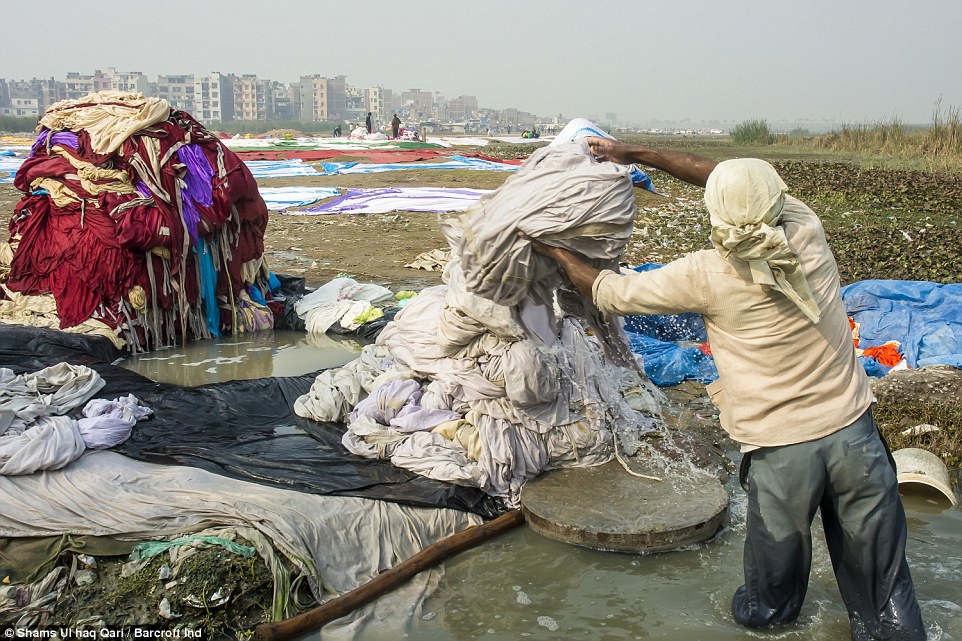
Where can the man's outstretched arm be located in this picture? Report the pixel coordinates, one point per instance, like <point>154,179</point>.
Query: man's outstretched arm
<point>691,168</point>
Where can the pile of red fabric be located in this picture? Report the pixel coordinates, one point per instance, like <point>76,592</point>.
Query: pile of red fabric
<point>135,215</point>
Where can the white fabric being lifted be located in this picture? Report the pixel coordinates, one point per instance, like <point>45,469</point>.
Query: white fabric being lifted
<point>563,197</point>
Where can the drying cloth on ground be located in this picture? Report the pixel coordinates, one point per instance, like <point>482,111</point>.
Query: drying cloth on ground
<point>41,311</point>
<point>273,144</point>
<point>456,162</point>
<point>280,198</point>
<point>381,201</point>
<point>109,117</point>
<point>241,429</point>
<point>9,167</point>
<point>581,128</point>
<point>280,168</point>
<point>344,543</point>
<point>925,318</point>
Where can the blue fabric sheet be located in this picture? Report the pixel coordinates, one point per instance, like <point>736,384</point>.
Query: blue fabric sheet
<point>666,327</point>
<point>455,162</point>
<point>669,363</point>
<point>926,318</point>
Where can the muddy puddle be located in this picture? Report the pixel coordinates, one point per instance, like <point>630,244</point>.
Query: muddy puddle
<point>247,356</point>
<point>522,585</point>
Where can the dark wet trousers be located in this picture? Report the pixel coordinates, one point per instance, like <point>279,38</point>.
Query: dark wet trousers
<point>849,476</point>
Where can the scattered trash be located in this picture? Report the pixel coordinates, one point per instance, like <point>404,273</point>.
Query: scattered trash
<point>165,572</point>
<point>430,615</point>
<point>523,598</point>
<point>85,577</point>
<point>164,610</point>
<point>924,428</point>
<point>87,561</point>
<point>218,598</point>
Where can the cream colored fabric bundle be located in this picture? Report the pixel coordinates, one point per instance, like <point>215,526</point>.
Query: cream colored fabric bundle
<point>745,199</point>
<point>110,117</point>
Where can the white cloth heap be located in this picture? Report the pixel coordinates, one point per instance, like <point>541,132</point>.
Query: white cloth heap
<point>341,301</point>
<point>35,434</point>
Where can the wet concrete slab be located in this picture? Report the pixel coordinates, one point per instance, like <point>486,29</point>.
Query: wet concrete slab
<point>606,508</point>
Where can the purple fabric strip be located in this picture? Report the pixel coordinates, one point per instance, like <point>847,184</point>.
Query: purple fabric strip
<point>64,138</point>
<point>197,185</point>
<point>199,174</point>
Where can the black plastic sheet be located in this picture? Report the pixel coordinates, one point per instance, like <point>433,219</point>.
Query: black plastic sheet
<point>241,429</point>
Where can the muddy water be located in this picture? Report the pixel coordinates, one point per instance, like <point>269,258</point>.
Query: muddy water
<point>522,585</point>
<point>247,356</point>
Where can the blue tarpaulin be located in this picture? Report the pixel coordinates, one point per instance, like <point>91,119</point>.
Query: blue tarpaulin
<point>926,318</point>
<point>670,363</point>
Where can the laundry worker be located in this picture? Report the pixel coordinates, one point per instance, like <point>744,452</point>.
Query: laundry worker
<point>368,124</point>
<point>790,390</point>
<point>395,126</point>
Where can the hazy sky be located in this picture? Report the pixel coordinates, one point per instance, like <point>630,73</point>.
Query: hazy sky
<point>841,60</point>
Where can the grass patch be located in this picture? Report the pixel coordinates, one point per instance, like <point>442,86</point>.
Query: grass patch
<point>894,418</point>
<point>752,132</point>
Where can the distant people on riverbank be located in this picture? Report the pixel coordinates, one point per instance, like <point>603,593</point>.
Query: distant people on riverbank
<point>395,126</point>
<point>337,131</point>
<point>368,124</point>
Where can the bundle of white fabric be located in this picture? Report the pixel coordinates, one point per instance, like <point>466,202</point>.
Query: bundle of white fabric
<point>457,389</point>
<point>35,434</point>
<point>342,301</point>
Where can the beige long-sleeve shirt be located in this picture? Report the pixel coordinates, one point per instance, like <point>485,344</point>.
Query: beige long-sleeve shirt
<point>781,379</point>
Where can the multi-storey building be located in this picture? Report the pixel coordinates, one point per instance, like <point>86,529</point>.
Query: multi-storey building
<point>253,97</point>
<point>323,98</point>
<point>375,104</point>
<point>177,90</point>
<point>282,101</point>
<point>419,103</point>
<point>127,81</point>
<point>213,98</point>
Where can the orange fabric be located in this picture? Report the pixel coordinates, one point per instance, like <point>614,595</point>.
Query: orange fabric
<point>887,354</point>
<point>705,348</point>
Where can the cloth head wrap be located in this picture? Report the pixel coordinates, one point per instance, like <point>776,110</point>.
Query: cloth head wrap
<point>745,199</point>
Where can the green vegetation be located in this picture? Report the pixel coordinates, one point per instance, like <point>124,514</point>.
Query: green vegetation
<point>18,124</point>
<point>937,147</point>
<point>752,132</point>
<point>896,417</point>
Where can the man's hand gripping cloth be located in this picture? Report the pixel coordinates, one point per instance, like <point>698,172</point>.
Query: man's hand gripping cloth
<point>561,196</point>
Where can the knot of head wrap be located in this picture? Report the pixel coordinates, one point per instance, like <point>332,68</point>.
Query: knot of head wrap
<point>745,199</point>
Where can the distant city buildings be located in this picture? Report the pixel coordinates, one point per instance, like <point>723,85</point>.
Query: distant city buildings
<point>222,97</point>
